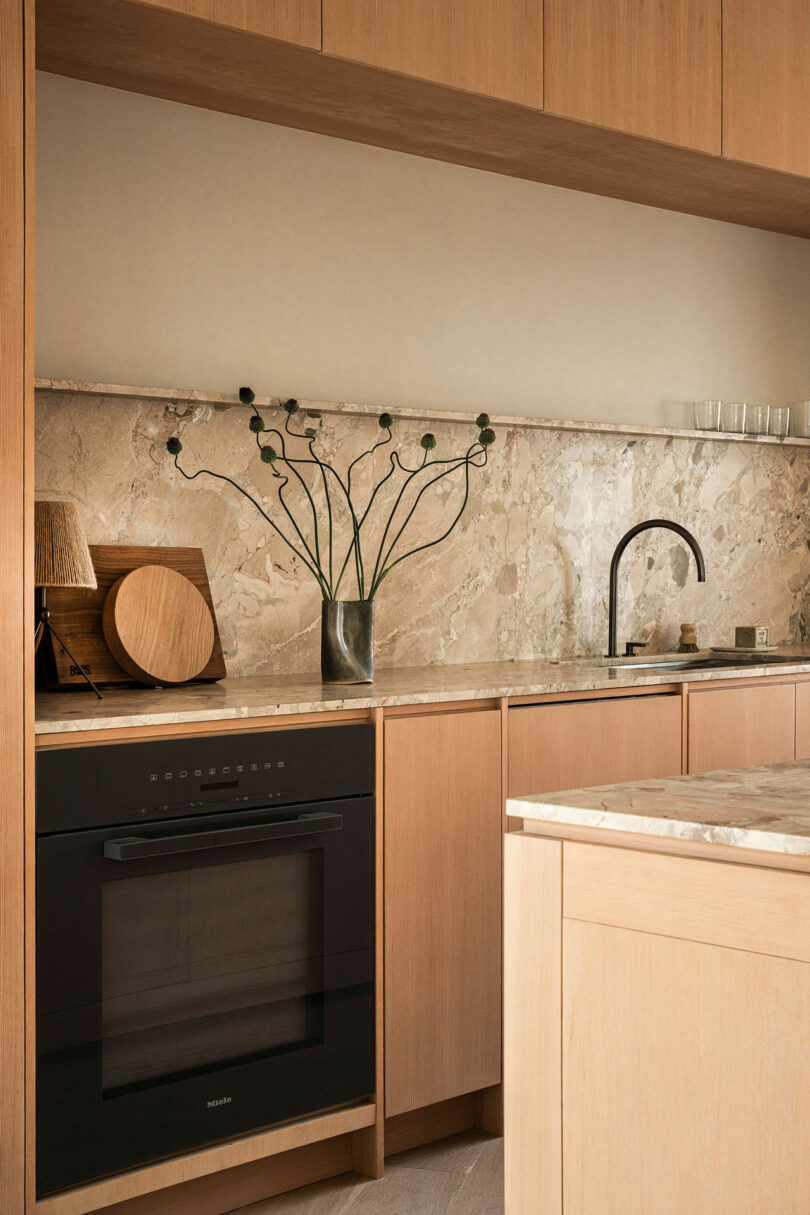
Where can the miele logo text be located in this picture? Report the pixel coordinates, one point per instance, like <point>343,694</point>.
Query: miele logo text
<point>218,1101</point>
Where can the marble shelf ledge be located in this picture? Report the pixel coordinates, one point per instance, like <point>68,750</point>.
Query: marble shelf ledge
<point>195,396</point>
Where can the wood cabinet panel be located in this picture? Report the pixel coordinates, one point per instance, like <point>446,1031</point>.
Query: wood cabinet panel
<point>443,833</point>
<point>740,727</point>
<point>651,67</point>
<point>596,742</point>
<point>766,83</point>
<point>532,1051</point>
<point>737,906</point>
<point>803,720</point>
<point>482,46</point>
<point>686,1085</point>
<point>296,21</point>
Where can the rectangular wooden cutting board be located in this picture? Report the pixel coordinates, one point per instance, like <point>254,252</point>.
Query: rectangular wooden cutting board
<point>76,615</point>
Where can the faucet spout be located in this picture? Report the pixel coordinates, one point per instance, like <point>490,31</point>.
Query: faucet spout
<point>617,556</point>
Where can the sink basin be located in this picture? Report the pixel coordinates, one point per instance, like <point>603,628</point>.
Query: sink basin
<point>703,663</point>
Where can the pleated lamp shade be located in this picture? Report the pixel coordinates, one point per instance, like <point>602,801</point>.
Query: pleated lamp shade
<point>61,555</point>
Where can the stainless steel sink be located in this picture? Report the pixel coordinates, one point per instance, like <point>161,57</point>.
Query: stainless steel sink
<point>704,663</point>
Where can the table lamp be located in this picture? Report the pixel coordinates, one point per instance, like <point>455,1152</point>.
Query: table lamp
<point>61,558</point>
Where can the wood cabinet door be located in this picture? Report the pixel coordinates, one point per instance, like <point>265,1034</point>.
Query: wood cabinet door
<point>482,46</point>
<point>685,1076</point>
<point>593,742</point>
<point>803,721</point>
<point>650,67</point>
<point>288,20</point>
<point>740,727</point>
<point>766,83</point>
<point>443,840</point>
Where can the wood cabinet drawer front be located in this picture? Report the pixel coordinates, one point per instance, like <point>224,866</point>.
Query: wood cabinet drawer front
<point>760,910</point>
<point>803,720</point>
<point>739,727</point>
<point>594,742</point>
<point>652,69</point>
<point>483,46</point>
<point>296,21</point>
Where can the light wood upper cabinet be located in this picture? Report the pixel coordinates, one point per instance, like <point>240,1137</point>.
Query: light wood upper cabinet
<point>593,742</point>
<point>296,21</point>
<point>482,46</point>
<point>766,83</point>
<point>443,833</point>
<point>650,67</point>
<point>739,727</point>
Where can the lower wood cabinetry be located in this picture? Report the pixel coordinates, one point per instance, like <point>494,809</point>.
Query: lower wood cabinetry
<point>739,727</point>
<point>297,21</point>
<point>443,839</point>
<point>593,742</point>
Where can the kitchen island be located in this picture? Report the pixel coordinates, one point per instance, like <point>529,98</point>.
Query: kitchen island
<point>657,1000</point>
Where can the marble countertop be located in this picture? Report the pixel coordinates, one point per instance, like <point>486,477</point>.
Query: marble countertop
<point>766,808</point>
<point>268,696</point>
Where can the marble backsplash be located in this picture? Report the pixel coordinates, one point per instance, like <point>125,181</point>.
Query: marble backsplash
<point>525,573</point>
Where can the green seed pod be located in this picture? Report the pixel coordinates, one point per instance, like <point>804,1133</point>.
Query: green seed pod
<point>428,441</point>
<point>256,424</point>
<point>174,446</point>
<point>291,406</point>
<point>247,396</point>
<point>482,421</point>
<point>386,421</point>
<point>486,437</point>
<point>269,455</point>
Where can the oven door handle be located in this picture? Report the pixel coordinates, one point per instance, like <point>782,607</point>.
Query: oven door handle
<point>136,848</point>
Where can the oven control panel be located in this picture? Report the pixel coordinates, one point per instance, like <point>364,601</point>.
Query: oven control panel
<point>129,782</point>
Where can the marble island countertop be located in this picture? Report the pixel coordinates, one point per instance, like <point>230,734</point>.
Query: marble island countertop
<point>766,808</point>
<point>267,696</point>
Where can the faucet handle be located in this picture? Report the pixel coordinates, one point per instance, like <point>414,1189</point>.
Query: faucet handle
<point>632,646</point>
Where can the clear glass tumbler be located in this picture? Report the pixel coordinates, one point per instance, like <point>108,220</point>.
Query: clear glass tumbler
<point>780,421</point>
<point>707,415</point>
<point>801,419</point>
<point>732,417</point>
<point>756,419</point>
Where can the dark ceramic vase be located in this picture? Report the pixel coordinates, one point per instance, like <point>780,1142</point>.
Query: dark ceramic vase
<point>347,641</point>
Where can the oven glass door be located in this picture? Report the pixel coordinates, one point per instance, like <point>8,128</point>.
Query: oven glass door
<point>198,979</point>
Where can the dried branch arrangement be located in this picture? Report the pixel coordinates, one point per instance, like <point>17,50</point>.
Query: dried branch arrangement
<point>308,525</point>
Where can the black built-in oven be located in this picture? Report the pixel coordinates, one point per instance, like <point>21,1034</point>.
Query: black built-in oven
<point>205,941</point>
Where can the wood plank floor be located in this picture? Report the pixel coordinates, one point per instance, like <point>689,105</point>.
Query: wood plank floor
<point>462,1175</point>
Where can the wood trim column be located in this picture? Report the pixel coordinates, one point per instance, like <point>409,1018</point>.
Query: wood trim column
<point>16,573</point>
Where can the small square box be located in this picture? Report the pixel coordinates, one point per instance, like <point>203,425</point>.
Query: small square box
<point>751,637</point>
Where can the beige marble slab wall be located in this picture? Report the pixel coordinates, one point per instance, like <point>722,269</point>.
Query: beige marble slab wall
<point>524,574</point>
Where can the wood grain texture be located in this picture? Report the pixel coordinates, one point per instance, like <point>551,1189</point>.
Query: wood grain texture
<point>16,586</point>
<point>157,626</point>
<point>166,54</point>
<point>297,21</point>
<point>766,83</point>
<point>649,67</point>
<point>206,1162</point>
<point>437,1121</point>
<point>597,742</point>
<point>686,1086</point>
<point>739,727</point>
<point>532,1026</point>
<point>78,615</point>
<point>442,907</point>
<point>481,46</point>
<point>737,906</point>
<point>803,721</point>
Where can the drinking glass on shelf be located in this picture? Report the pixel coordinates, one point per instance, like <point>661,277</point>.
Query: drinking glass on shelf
<point>732,417</point>
<point>780,421</point>
<point>756,419</point>
<point>707,415</point>
<point>801,419</point>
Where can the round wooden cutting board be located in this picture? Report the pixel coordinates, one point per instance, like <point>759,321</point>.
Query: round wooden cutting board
<point>158,626</point>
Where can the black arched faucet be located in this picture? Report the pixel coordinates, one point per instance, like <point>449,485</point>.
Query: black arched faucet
<point>614,571</point>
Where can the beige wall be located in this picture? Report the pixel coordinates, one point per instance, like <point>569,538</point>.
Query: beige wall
<point>181,248</point>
